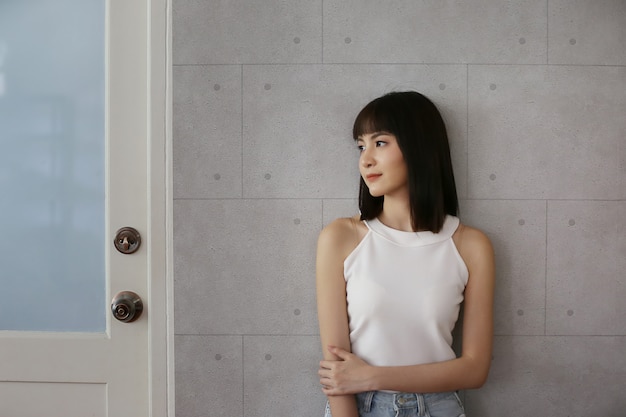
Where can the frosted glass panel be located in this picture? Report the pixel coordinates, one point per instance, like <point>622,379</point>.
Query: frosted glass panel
<point>52,267</point>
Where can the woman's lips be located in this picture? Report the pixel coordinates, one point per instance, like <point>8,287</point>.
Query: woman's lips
<point>372,177</point>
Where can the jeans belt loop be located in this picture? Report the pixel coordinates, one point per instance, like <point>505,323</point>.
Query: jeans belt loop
<point>367,401</point>
<point>421,405</point>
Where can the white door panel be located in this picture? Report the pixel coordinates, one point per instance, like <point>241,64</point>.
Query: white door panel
<point>59,399</point>
<point>54,363</point>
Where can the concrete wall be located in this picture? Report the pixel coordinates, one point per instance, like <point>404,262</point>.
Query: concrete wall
<point>534,96</point>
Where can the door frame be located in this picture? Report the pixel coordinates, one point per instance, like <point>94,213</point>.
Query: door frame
<point>155,168</point>
<point>160,192</point>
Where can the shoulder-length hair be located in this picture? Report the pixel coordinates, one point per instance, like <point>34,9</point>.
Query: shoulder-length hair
<point>421,134</point>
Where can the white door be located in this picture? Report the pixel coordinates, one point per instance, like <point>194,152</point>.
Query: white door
<point>82,154</point>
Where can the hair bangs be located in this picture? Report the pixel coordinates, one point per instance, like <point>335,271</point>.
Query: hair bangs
<point>375,117</point>
<point>420,132</point>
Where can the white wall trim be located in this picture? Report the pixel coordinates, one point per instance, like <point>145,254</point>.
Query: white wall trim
<point>160,199</point>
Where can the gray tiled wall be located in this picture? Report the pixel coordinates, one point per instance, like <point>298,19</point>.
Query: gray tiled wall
<point>534,96</point>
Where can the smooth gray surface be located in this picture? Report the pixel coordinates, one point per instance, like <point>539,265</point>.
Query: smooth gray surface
<point>334,209</point>
<point>245,266</point>
<point>246,31</point>
<point>553,376</point>
<point>547,132</point>
<point>298,123</point>
<point>517,230</point>
<point>534,146</point>
<point>209,376</point>
<point>586,250</point>
<point>207,131</point>
<point>406,31</point>
<point>281,376</point>
<point>586,33</point>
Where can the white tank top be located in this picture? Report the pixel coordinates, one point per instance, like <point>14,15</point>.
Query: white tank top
<point>404,291</point>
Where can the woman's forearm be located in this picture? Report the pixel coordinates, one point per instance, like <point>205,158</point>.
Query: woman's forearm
<point>452,375</point>
<point>343,406</point>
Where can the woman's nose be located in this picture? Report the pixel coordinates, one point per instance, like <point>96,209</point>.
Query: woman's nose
<point>366,159</point>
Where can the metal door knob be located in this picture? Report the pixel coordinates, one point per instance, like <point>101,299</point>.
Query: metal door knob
<point>127,240</point>
<point>126,306</point>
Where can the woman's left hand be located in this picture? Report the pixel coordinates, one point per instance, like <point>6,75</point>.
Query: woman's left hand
<point>349,375</point>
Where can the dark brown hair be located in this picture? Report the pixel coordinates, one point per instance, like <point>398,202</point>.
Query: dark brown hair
<point>421,134</point>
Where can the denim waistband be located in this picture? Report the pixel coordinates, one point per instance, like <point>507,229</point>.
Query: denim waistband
<point>399,400</point>
<point>419,404</point>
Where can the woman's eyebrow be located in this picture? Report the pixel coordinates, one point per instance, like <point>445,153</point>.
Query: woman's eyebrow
<point>375,135</point>
<point>381,133</point>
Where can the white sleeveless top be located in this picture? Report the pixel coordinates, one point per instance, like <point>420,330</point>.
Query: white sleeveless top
<point>404,291</point>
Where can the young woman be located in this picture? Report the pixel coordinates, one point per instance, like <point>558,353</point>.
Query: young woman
<point>391,281</point>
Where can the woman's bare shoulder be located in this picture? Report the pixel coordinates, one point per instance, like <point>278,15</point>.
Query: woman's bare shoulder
<point>342,224</point>
<point>472,243</point>
<point>471,234</point>
<point>342,234</point>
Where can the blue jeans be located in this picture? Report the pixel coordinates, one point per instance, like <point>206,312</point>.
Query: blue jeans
<point>385,404</point>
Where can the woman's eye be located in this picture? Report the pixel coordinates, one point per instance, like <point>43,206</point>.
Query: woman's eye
<point>380,143</point>
<point>361,148</point>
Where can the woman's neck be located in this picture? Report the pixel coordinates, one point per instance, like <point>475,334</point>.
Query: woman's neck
<point>397,214</point>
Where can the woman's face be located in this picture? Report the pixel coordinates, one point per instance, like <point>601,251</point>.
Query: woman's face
<point>382,165</point>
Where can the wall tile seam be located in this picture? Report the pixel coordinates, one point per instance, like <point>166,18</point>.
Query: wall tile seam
<point>477,64</point>
<point>565,64</point>
<point>467,142</point>
<point>531,335</point>
<point>330,64</point>
<point>553,336</point>
<point>586,199</point>
<point>279,335</point>
<point>501,199</point>
<point>205,65</point>
<point>548,65</point>
<point>241,99</point>
<point>545,268</point>
<point>407,63</point>
<point>232,63</point>
<point>255,198</point>
<point>448,63</point>
<point>606,336</point>
<point>243,374</point>
<point>350,198</point>
<point>354,198</point>
<point>207,334</point>
<point>547,32</point>
<point>354,64</point>
<point>297,64</point>
<point>322,32</point>
<point>543,199</point>
<point>246,334</point>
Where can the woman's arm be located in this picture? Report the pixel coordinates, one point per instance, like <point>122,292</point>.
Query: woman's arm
<point>332,249</point>
<point>350,374</point>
